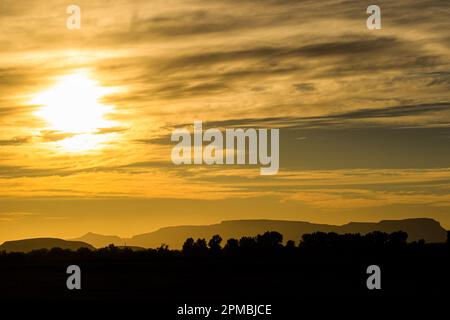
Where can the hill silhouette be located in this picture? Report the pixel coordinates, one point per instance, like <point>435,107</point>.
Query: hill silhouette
<point>28,245</point>
<point>262,267</point>
<point>99,240</point>
<point>417,229</point>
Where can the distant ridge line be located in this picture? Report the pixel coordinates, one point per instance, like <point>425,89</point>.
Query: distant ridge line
<point>427,229</point>
<point>417,228</point>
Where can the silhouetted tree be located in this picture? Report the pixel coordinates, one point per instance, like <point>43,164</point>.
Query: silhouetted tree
<point>247,243</point>
<point>200,246</point>
<point>318,240</point>
<point>163,248</point>
<point>270,239</point>
<point>290,244</point>
<point>214,244</point>
<point>231,246</point>
<point>377,238</point>
<point>290,247</point>
<point>188,246</point>
<point>398,238</point>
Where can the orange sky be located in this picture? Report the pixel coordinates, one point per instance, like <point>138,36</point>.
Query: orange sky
<point>86,115</point>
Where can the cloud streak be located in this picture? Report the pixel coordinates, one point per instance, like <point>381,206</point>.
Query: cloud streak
<point>364,116</point>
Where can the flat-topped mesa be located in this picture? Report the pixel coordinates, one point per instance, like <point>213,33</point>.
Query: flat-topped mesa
<point>417,229</point>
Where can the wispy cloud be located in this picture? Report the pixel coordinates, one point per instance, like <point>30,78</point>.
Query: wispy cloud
<point>374,105</point>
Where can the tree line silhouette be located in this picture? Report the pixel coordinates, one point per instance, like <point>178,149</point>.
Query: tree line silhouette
<point>268,244</point>
<point>263,267</point>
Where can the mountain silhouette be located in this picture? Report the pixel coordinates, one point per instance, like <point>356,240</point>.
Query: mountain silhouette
<point>417,229</point>
<point>28,245</point>
<point>100,241</point>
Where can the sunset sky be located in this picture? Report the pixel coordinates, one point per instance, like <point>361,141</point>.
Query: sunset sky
<point>86,115</point>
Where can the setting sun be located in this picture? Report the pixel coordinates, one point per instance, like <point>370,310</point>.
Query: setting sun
<point>73,106</point>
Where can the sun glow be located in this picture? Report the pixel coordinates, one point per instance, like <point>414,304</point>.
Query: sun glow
<point>73,107</point>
